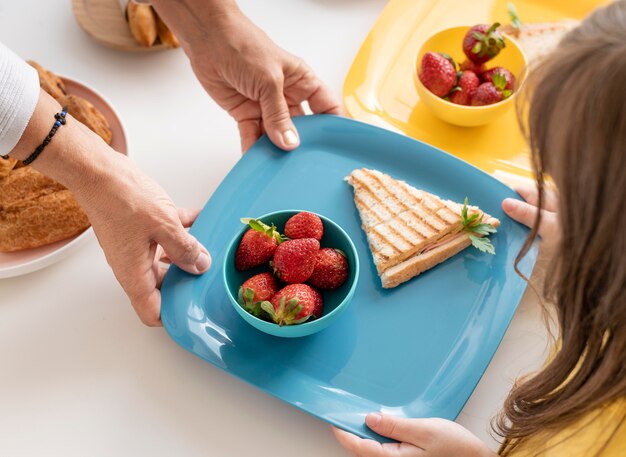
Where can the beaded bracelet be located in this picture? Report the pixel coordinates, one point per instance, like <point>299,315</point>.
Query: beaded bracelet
<point>60,120</point>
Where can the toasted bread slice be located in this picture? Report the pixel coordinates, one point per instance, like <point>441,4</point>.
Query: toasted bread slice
<point>539,40</point>
<point>35,211</point>
<point>408,230</point>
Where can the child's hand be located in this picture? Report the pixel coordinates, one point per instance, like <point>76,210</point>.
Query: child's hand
<point>526,212</point>
<point>418,438</point>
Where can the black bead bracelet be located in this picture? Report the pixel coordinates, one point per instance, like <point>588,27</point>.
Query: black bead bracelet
<point>60,120</point>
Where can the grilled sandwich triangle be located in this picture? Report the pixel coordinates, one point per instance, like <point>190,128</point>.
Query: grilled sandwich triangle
<point>408,230</point>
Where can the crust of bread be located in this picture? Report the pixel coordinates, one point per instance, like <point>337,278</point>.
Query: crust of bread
<point>539,39</point>
<point>166,36</point>
<point>25,183</point>
<point>417,264</point>
<point>412,267</point>
<point>398,219</point>
<point>6,165</point>
<point>408,230</point>
<point>49,81</point>
<point>47,219</point>
<point>35,211</point>
<point>142,23</point>
<point>83,111</point>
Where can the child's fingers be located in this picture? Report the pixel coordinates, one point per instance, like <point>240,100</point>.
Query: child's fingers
<point>522,212</point>
<point>526,214</point>
<point>359,447</point>
<point>530,194</point>
<point>398,428</point>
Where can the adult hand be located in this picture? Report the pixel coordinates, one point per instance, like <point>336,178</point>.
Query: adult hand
<point>136,222</point>
<point>525,212</point>
<point>130,213</point>
<point>258,83</point>
<point>417,438</point>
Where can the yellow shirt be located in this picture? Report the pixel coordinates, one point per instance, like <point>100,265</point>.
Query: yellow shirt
<point>583,439</point>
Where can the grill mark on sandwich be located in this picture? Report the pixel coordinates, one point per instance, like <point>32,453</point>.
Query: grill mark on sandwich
<point>413,205</point>
<point>382,240</point>
<point>366,188</point>
<point>410,207</point>
<point>362,207</point>
<point>381,186</point>
<point>407,209</point>
<point>412,210</point>
<point>414,219</point>
<point>399,234</point>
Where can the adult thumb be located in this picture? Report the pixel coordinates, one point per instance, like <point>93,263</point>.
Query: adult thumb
<point>276,119</point>
<point>184,250</point>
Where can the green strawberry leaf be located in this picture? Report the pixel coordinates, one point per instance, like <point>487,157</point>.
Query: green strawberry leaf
<point>240,296</point>
<point>499,80</point>
<point>506,93</point>
<point>248,295</point>
<point>259,226</point>
<point>281,307</point>
<point>255,224</point>
<point>493,27</point>
<point>303,319</point>
<point>269,309</point>
<point>477,48</point>
<point>516,22</point>
<point>455,89</point>
<point>479,36</point>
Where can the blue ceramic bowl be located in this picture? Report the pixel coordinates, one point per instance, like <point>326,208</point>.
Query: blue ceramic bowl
<point>335,301</point>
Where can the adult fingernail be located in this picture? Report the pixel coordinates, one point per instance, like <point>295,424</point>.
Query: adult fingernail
<point>203,261</point>
<point>373,419</point>
<point>290,138</point>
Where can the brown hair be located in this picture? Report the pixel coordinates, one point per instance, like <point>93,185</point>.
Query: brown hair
<point>577,133</point>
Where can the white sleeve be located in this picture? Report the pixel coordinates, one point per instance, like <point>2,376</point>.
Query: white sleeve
<point>19,93</point>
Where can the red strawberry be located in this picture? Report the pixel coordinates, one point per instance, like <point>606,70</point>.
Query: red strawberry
<point>331,269</point>
<point>257,245</point>
<point>489,93</point>
<point>487,76</point>
<point>483,42</point>
<point>304,225</point>
<point>294,304</point>
<point>468,65</point>
<point>294,260</point>
<point>437,73</point>
<point>255,290</point>
<point>464,90</point>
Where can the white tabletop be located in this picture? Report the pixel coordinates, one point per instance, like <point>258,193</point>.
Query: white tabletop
<point>79,374</point>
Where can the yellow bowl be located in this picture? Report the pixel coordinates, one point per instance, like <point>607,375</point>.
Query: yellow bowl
<point>450,41</point>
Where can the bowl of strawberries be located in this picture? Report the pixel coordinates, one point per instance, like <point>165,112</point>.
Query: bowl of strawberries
<point>469,76</point>
<point>290,273</point>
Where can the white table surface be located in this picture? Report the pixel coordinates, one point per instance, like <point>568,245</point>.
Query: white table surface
<point>79,374</point>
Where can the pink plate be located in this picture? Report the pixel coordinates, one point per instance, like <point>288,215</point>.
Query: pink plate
<point>29,260</point>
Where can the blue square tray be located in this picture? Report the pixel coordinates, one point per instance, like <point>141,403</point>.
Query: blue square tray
<point>417,350</point>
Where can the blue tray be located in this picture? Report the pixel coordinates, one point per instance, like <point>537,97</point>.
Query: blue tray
<point>417,350</point>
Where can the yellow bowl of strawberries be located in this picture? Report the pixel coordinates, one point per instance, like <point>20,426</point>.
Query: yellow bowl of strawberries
<point>290,273</point>
<point>469,76</point>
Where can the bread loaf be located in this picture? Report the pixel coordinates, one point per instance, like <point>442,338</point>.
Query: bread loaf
<point>35,211</point>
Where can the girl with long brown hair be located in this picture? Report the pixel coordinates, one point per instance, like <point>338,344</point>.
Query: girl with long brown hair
<point>576,405</point>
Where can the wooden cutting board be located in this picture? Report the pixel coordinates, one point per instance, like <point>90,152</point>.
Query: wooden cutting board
<point>105,21</point>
